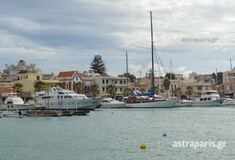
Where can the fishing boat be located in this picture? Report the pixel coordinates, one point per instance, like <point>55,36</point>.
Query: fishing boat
<point>61,99</point>
<point>149,100</point>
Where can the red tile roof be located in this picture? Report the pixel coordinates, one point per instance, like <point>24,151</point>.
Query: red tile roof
<point>6,90</point>
<point>66,74</point>
<point>85,75</point>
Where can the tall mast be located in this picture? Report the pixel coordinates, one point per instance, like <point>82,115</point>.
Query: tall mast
<point>127,69</point>
<point>152,53</point>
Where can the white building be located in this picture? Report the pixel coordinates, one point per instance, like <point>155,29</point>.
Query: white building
<point>120,84</point>
<point>69,79</point>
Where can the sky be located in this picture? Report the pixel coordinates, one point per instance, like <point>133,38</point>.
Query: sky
<point>60,35</point>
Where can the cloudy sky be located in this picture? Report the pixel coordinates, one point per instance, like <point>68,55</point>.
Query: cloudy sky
<point>58,35</point>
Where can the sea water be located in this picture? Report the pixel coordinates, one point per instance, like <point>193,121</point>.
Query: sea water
<point>116,134</point>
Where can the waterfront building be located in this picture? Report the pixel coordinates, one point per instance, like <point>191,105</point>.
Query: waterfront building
<point>10,71</point>
<point>120,84</point>
<point>229,82</point>
<point>145,83</point>
<point>28,80</point>
<point>88,80</point>
<point>178,83</point>
<point>69,79</point>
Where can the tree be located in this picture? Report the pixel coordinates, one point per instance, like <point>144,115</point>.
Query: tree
<point>39,86</point>
<point>170,75</point>
<point>142,90</point>
<point>111,90</point>
<point>218,77</point>
<point>189,91</point>
<point>97,65</point>
<point>127,92</point>
<point>95,90</point>
<point>178,92</point>
<point>60,84</point>
<point>156,90</point>
<point>130,76</point>
<point>166,84</point>
<point>78,87</point>
<point>18,88</point>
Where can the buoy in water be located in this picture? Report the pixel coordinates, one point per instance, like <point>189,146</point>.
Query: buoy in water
<point>143,146</point>
<point>164,135</point>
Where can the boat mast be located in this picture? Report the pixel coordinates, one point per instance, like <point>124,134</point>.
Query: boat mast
<point>127,69</point>
<point>152,53</point>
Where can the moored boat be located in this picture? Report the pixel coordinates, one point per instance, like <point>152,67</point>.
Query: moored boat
<point>229,102</point>
<point>184,103</point>
<point>149,100</point>
<point>14,102</point>
<point>111,103</point>
<point>60,99</point>
<point>43,113</point>
<point>209,98</point>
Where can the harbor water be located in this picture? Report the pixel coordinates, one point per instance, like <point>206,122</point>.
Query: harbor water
<point>116,134</point>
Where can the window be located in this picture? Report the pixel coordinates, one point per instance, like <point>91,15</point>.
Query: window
<point>107,81</point>
<point>38,78</point>
<point>120,82</point>
<point>103,81</point>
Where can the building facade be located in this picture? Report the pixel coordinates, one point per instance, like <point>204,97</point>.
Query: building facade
<point>10,72</point>
<point>69,79</point>
<point>120,84</point>
<point>229,81</point>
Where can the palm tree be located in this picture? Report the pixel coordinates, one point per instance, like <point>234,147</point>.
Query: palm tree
<point>189,91</point>
<point>59,84</point>
<point>127,91</point>
<point>95,90</point>
<point>178,92</point>
<point>78,87</point>
<point>18,88</point>
<point>166,84</point>
<point>111,90</point>
<point>39,86</point>
<point>142,90</point>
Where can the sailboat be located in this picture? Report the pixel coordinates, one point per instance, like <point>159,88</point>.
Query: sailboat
<point>149,101</point>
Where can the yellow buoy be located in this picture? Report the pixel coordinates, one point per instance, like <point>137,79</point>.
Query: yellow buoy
<point>143,146</point>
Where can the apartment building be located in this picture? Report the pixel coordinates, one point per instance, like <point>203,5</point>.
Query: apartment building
<point>120,84</point>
